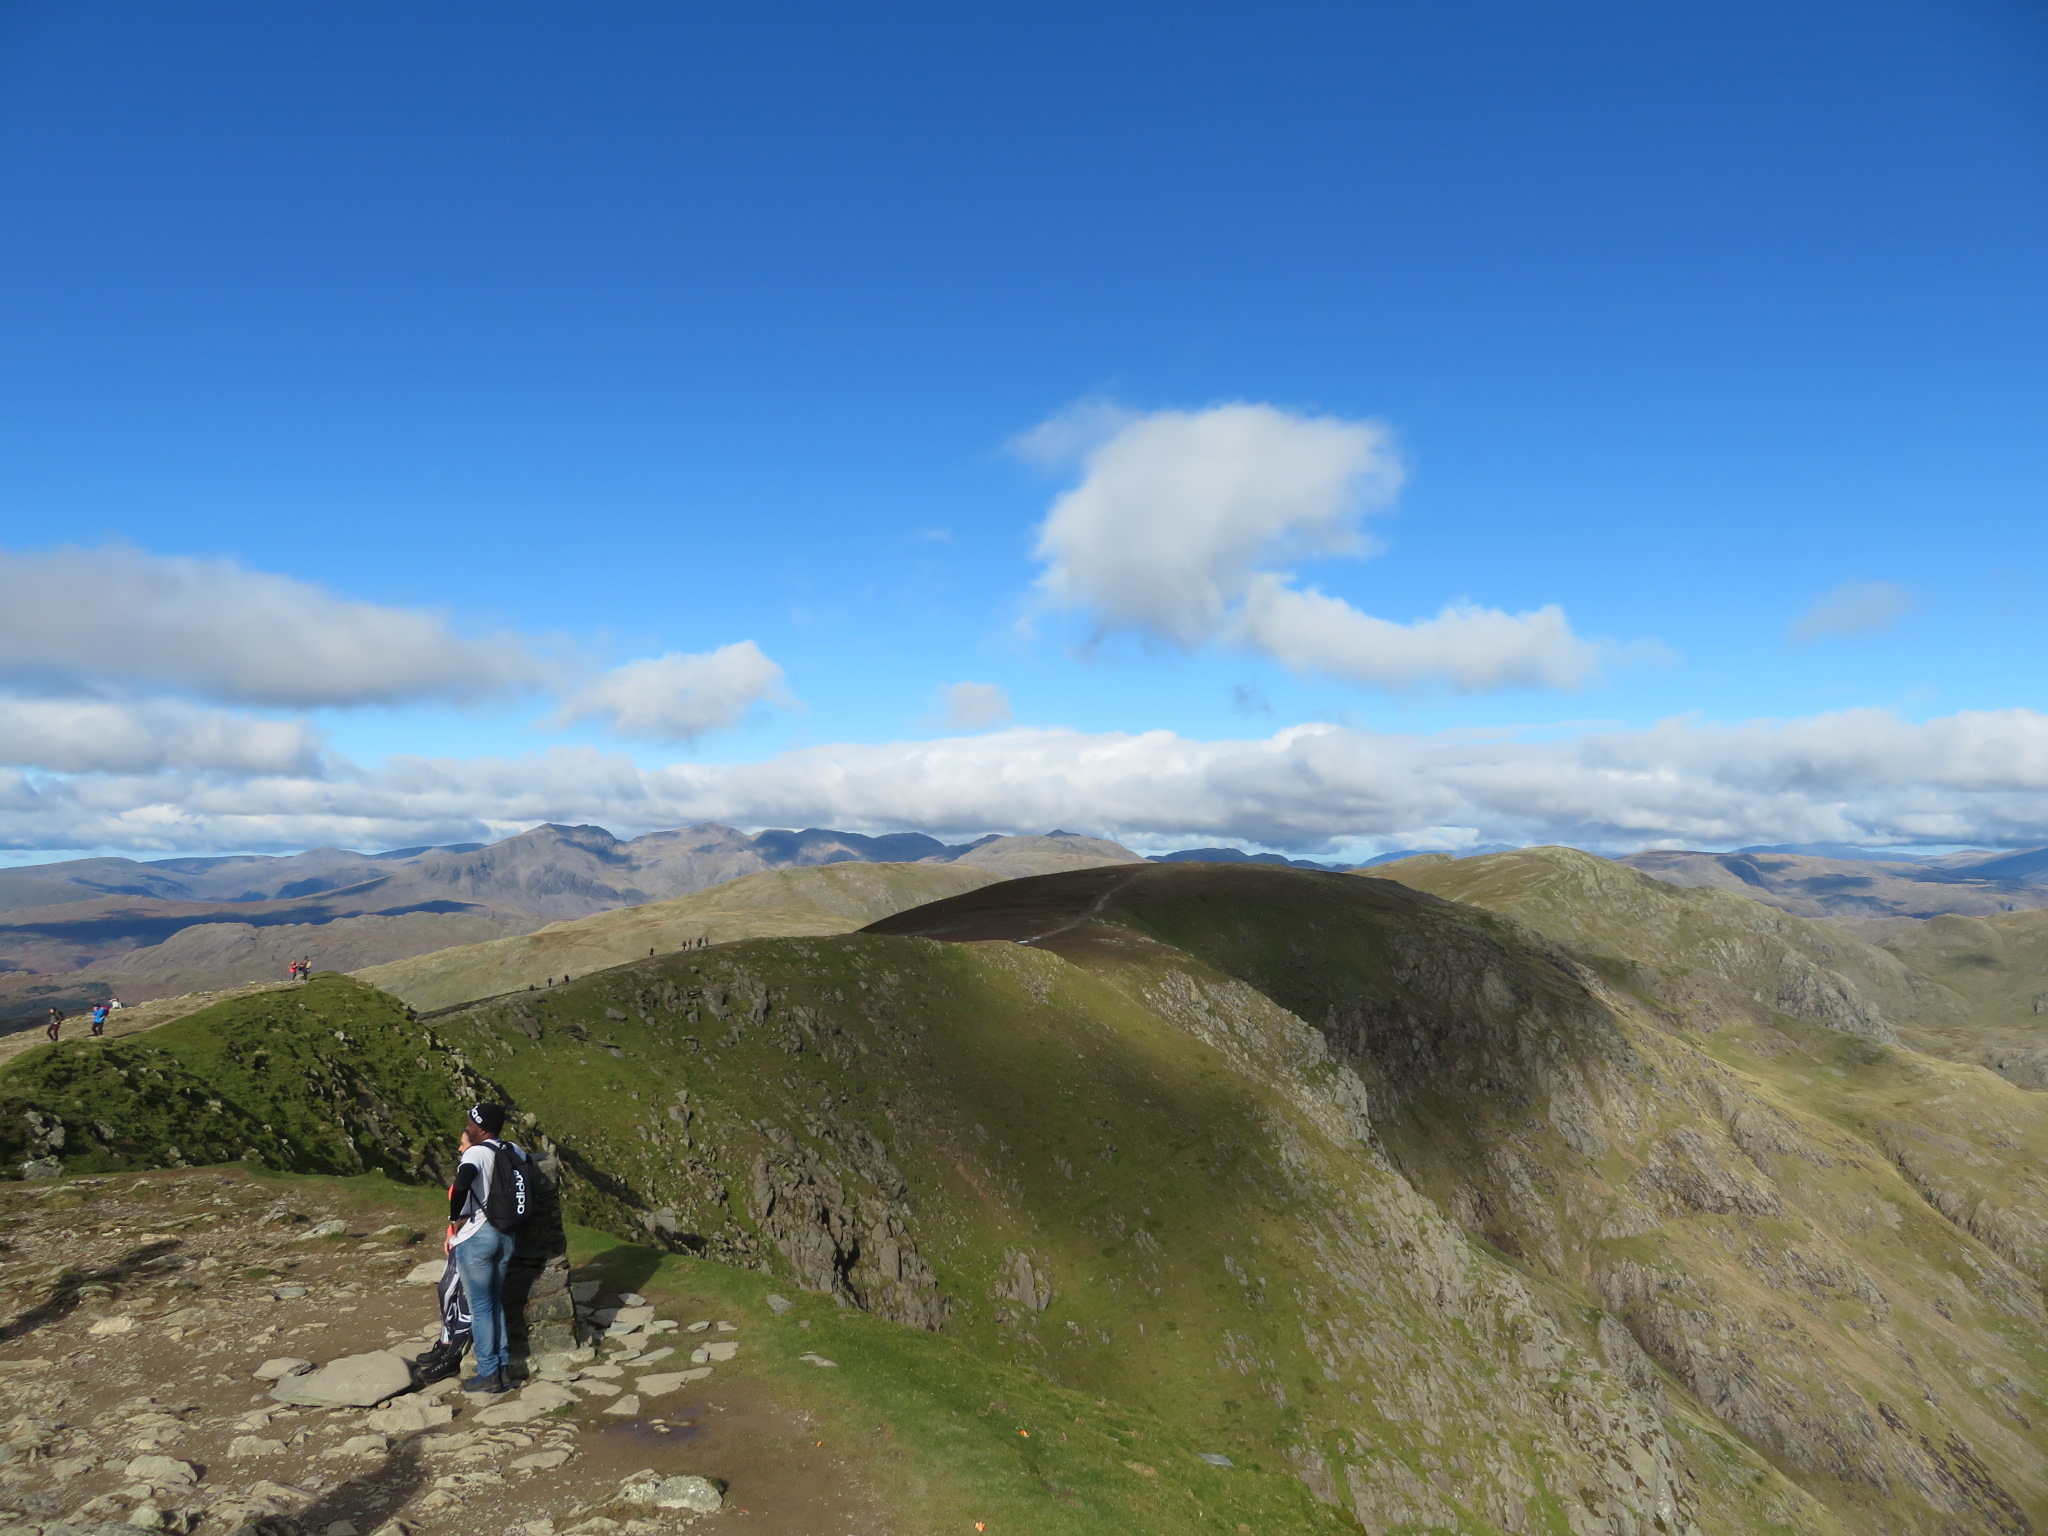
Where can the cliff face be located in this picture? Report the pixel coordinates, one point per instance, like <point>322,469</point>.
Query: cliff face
<point>1466,1225</point>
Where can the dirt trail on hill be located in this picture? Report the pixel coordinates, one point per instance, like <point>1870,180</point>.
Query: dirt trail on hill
<point>138,1310</point>
<point>132,1020</point>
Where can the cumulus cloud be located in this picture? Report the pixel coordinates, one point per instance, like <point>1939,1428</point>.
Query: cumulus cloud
<point>1182,517</point>
<point>1855,608</point>
<point>678,697</point>
<point>92,736</point>
<point>974,706</point>
<point>1475,650</point>
<point>1176,508</point>
<point>122,620</point>
<point>1863,776</point>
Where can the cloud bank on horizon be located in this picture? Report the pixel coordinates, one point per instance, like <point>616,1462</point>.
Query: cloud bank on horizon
<point>174,719</point>
<point>1861,776</point>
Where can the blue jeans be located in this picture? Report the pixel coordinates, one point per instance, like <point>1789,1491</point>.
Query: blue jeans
<point>482,1258</point>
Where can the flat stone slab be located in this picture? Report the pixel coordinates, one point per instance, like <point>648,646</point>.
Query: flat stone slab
<point>356,1381</point>
<point>426,1272</point>
<point>536,1401</point>
<point>662,1384</point>
<point>408,1416</point>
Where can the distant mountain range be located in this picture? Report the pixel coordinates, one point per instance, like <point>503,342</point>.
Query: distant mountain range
<point>1971,884</point>
<point>77,931</point>
<point>83,929</point>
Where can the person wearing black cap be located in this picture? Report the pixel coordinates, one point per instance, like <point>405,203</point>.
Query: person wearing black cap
<point>481,1247</point>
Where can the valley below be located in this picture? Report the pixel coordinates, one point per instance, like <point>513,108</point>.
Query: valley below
<point>1518,1193</point>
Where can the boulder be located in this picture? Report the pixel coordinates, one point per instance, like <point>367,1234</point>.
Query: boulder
<point>778,1304</point>
<point>334,1226</point>
<point>356,1381</point>
<point>699,1495</point>
<point>281,1367</point>
<point>162,1472</point>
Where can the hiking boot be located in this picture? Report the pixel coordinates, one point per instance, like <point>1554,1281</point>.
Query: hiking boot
<point>437,1364</point>
<point>495,1382</point>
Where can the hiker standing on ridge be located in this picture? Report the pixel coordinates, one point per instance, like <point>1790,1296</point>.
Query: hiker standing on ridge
<point>56,1021</point>
<point>99,1018</point>
<point>487,1204</point>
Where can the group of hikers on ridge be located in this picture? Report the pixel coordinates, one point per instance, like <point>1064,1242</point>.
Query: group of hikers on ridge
<point>299,970</point>
<point>96,1016</point>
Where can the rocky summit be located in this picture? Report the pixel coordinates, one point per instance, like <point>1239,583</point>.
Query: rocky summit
<point>1520,1194</point>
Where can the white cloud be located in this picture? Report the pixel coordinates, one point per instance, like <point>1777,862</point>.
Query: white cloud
<point>1860,776</point>
<point>91,736</point>
<point>1184,522</point>
<point>974,706</point>
<point>1473,649</point>
<point>118,619</point>
<point>678,697</point>
<point>1177,508</point>
<point>1855,608</point>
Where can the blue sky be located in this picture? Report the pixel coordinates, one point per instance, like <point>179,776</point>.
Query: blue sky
<point>624,332</point>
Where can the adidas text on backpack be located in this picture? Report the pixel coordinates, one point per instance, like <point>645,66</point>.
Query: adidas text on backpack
<point>510,1200</point>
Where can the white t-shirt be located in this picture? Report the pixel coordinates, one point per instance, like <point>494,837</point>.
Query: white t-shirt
<point>484,1159</point>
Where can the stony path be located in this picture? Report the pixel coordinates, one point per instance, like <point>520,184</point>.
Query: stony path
<point>150,1317</point>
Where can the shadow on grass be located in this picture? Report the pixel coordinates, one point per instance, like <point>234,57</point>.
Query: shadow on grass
<point>624,1268</point>
<point>64,1296</point>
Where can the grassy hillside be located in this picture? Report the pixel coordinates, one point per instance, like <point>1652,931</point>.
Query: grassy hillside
<point>1323,1174</point>
<point>327,1077</point>
<point>2000,966</point>
<point>829,898</point>
<point>1700,957</point>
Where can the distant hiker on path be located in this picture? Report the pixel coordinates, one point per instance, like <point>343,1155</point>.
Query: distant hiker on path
<point>56,1021</point>
<point>487,1204</point>
<point>99,1019</point>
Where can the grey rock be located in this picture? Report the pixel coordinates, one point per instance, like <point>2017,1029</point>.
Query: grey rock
<point>778,1304</point>
<point>699,1495</point>
<point>162,1472</point>
<point>281,1367</point>
<point>358,1381</point>
<point>289,1292</point>
<point>408,1416</point>
<point>334,1226</point>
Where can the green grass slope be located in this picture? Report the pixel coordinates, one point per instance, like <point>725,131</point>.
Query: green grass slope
<point>2000,966</point>
<point>327,1077</point>
<point>1777,1220</point>
<point>1387,1198</point>
<point>1703,957</point>
<point>827,898</point>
